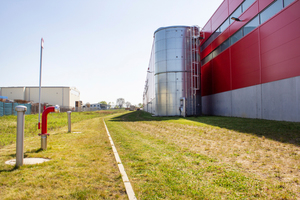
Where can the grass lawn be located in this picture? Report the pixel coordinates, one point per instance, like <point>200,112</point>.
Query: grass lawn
<point>164,158</point>
<point>208,157</point>
<point>8,123</point>
<point>82,164</point>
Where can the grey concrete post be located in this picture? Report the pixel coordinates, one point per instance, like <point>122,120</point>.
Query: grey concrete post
<point>69,121</point>
<point>20,134</point>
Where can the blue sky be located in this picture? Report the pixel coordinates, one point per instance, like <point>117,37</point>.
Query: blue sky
<point>100,47</point>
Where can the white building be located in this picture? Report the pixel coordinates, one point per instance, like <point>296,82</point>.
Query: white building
<point>98,106</point>
<point>62,96</point>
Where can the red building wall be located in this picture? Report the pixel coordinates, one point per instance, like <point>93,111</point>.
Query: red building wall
<point>269,53</point>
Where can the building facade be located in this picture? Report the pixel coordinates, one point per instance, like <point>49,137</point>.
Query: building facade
<point>250,66</point>
<point>62,96</point>
<point>250,60</point>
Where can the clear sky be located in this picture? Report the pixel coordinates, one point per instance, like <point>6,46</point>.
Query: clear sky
<point>100,47</point>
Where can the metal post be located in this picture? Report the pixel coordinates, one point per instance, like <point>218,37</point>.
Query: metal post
<point>69,121</point>
<point>40,84</point>
<point>44,142</point>
<point>20,134</point>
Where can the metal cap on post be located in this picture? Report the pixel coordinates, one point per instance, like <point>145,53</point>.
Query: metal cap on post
<point>20,134</point>
<point>56,109</point>
<point>69,121</point>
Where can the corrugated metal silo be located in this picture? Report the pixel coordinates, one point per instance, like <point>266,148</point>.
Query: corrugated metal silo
<point>177,72</point>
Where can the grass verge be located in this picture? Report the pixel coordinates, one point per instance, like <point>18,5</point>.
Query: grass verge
<point>8,124</point>
<point>208,157</point>
<point>82,165</point>
<point>164,158</point>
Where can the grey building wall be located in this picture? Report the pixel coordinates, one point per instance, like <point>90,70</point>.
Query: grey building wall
<point>278,100</point>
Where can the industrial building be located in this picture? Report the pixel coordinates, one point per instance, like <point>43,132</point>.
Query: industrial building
<point>248,60</point>
<point>173,66</point>
<point>62,96</point>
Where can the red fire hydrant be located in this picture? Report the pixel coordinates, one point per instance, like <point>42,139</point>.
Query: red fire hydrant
<point>44,133</point>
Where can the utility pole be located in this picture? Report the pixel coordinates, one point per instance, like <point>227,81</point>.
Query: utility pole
<point>41,59</point>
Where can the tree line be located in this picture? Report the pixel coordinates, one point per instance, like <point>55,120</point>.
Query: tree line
<point>120,103</point>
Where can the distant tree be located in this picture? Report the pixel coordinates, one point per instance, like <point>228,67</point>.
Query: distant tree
<point>140,105</point>
<point>88,104</point>
<point>103,102</point>
<point>128,104</point>
<point>116,106</point>
<point>120,102</point>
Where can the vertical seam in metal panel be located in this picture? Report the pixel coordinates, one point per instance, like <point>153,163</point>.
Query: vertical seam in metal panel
<point>166,57</point>
<point>230,72</point>
<point>190,69</point>
<point>230,66</point>
<point>297,95</point>
<point>185,85</point>
<point>260,74</point>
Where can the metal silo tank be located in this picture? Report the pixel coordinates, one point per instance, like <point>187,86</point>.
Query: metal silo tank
<point>172,70</point>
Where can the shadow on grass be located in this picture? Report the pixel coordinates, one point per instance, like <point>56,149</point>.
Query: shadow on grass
<point>27,152</point>
<point>286,132</point>
<point>9,170</point>
<point>34,150</point>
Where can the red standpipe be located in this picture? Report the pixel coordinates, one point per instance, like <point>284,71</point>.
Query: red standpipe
<point>39,124</point>
<point>44,119</point>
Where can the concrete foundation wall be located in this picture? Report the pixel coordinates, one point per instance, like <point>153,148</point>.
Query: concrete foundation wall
<point>278,100</point>
<point>217,104</point>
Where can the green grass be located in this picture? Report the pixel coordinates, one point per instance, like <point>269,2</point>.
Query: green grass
<point>164,158</point>
<point>206,157</point>
<point>82,165</point>
<point>8,124</point>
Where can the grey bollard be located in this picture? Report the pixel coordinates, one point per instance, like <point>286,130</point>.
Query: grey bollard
<point>69,121</point>
<point>20,134</point>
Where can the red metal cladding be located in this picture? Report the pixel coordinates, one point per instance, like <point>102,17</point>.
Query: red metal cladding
<point>283,18</point>
<point>221,72</point>
<point>280,41</point>
<point>206,79</point>
<point>287,69</point>
<point>233,4</point>
<point>250,12</point>
<point>280,37</point>
<point>207,31</point>
<point>206,51</point>
<point>271,52</point>
<point>221,38</point>
<point>245,61</point>
<point>281,53</point>
<point>219,16</point>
